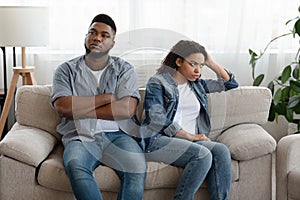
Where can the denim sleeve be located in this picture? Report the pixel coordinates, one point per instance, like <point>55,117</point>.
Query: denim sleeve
<point>220,84</point>
<point>172,129</point>
<point>157,112</point>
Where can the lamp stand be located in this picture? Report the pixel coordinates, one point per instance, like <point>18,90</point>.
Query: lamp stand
<point>27,79</point>
<point>3,95</point>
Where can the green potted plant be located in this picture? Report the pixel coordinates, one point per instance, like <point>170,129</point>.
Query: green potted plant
<point>285,87</point>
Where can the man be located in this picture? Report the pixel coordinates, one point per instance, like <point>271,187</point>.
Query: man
<point>92,93</point>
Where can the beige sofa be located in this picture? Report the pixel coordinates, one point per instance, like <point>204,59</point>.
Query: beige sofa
<point>31,153</point>
<point>288,168</point>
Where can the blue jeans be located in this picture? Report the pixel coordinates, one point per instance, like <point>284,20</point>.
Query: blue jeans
<point>114,149</point>
<point>219,176</point>
<point>199,160</point>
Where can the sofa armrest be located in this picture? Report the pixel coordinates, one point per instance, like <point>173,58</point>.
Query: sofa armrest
<point>247,141</point>
<point>27,144</point>
<point>287,159</point>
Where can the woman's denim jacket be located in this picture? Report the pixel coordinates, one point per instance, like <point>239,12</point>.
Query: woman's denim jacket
<point>161,102</point>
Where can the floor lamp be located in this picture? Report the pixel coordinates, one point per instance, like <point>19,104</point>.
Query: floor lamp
<point>21,26</point>
<point>4,76</point>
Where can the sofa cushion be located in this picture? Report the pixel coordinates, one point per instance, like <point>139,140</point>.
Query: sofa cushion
<point>33,108</point>
<point>247,141</point>
<point>247,104</point>
<point>27,144</point>
<point>293,184</point>
<point>160,175</point>
<point>52,174</point>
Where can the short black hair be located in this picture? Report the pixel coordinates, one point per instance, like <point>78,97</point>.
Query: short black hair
<point>106,20</point>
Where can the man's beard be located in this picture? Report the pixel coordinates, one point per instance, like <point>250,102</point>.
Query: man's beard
<point>95,54</point>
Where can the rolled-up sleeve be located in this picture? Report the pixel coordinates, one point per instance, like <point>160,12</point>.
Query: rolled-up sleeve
<point>211,85</point>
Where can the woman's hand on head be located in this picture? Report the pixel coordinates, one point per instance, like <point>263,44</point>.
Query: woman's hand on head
<point>217,68</point>
<point>210,62</point>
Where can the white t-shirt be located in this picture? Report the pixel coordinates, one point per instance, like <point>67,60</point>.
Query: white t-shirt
<point>188,108</point>
<point>103,125</point>
<point>97,74</point>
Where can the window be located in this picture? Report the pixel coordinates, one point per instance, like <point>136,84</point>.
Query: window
<point>226,28</point>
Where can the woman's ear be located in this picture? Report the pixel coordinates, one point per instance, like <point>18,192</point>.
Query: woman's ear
<point>179,62</point>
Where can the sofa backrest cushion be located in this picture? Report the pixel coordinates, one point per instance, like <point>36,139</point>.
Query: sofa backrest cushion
<point>33,108</point>
<point>247,104</point>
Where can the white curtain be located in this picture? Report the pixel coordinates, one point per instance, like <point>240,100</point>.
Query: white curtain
<point>227,28</point>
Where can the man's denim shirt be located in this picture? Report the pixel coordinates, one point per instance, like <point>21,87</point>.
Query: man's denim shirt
<point>73,79</point>
<point>161,102</point>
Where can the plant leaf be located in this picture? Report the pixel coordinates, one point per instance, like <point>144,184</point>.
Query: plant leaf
<point>253,58</point>
<point>280,108</point>
<point>297,27</point>
<point>293,102</point>
<point>296,72</point>
<point>295,85</point>
<point>251,52</point>
<point>277,97</point>
<point>286,23</point>
<point>297,110</point>
<point>258,80</point>
<point>285,94</point>
<point>271,113</point>
<point>289,115</point>
<point>271,86</point>
<point>286,74</point>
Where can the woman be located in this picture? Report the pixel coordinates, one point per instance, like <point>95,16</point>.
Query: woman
<point>177,123</point>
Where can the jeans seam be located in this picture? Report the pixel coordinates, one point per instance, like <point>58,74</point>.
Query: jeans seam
<point>217,178</point>
<point>184,183</point>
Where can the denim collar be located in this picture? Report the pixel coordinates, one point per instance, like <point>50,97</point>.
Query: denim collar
<point>169,78</point>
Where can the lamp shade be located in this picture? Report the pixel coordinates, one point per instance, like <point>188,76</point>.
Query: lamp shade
<point>23,26</point>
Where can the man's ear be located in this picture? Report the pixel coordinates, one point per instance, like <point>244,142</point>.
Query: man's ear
<point>179,62</point>
<point>113,44</point>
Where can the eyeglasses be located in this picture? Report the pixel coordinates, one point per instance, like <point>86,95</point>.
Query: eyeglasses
<point>195,64</point>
